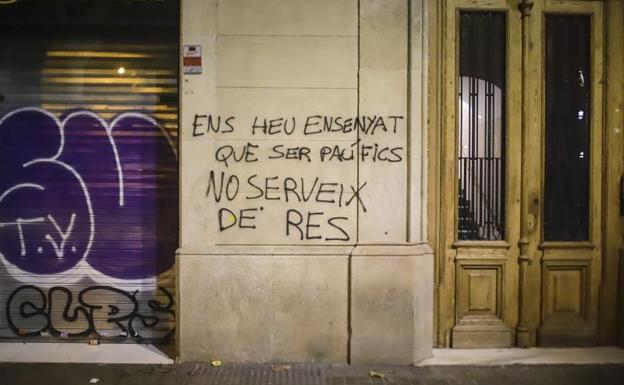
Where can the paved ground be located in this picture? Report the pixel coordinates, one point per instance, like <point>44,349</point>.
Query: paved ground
<point>306,374</point>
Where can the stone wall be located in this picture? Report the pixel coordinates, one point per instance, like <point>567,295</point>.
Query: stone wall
<point>301,185</point>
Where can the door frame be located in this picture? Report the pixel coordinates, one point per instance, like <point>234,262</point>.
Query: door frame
<point>441,190</point>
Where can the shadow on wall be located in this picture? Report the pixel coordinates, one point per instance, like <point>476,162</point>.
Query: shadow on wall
<point>620,321</point>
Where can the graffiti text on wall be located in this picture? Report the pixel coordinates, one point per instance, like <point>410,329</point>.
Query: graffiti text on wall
<point>76,190</point>
<point>32,306</point>
<point>84,200</point>
<point>264,163</point>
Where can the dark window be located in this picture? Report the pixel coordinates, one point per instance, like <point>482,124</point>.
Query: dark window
<point>567,152</point>
<point>481,126</point>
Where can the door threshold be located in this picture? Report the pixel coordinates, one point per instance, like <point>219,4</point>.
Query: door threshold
<point>82,353</point>
<point>530,356</point>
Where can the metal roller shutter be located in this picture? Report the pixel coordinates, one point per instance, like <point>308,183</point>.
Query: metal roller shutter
<point>88,169</point>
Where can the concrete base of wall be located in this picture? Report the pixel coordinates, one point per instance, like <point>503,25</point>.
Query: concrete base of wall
<point>83,353</point>
<point>392,304</point>
<point>369,304</point>
<point>531,356</point>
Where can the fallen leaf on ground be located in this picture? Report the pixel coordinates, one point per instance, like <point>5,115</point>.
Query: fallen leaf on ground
<point>94,380</point>
<point>280,368</point>
<point>375,374</point>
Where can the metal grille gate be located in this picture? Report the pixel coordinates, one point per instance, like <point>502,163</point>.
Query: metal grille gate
<point>481,126</point>
<point>88,169</point>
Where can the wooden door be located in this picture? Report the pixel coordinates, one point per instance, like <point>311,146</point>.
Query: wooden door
<point>480,173</point>
<point>520,212</point>
<point>561,252</point>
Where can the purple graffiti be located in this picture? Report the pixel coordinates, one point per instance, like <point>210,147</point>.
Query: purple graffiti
<point>80,191</point>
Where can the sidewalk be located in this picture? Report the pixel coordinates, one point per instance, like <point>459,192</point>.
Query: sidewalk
<point>306,374</point>
<point>133,364</point>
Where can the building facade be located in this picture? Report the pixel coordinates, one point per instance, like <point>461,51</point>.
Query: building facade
<point>351,181</point>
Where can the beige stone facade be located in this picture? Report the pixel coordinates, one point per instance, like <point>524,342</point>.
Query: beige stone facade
<point>301,181</point>
<point>320,202</point>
